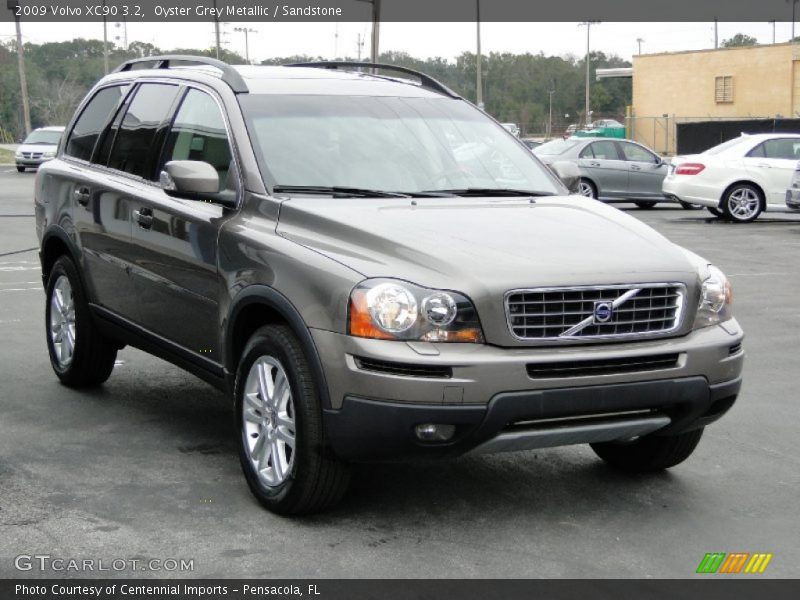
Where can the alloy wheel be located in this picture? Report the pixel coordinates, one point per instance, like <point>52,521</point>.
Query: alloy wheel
<point>743,204</point>
<point>62,321</point>
<point>268,424</point>
<point>585,189</point>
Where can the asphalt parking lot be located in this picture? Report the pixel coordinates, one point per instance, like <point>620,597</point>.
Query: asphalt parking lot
<point>145,467</point>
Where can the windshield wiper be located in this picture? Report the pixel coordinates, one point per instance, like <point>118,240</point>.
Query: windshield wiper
<point>336,191</point>
<point>491,192</point>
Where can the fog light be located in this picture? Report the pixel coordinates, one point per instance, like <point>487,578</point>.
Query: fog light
<point>430,432</point>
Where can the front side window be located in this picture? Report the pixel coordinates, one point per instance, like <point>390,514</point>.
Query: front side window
<point>198,133</point>
<point>92,121</point>
<point>391,144</point>
<point>136,143</point>
<point>635,153</point>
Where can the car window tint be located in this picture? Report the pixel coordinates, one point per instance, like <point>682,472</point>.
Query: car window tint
<point>605,150</point>
<point>93,119</point>
<point>198,133</point>
<point>632,152</point>
<point>136,144</point>
<point>785,148</point>
<point>587,152</point>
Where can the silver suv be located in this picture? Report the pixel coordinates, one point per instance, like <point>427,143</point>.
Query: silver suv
<point>373,269</point>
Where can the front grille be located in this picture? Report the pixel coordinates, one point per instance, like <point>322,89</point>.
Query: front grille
<point>403,369</point>
<point>586,313</point>
<point>32,155</point>
<point>606,366</point>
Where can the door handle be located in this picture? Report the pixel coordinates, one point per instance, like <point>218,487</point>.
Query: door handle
<point>636,168</point>
<point>81,195</point>
<point>144,217</point>
<point>765,165</point>
<point>594,164</point>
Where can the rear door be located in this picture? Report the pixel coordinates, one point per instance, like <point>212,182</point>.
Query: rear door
<point>602,163</point>
<point>646,171</point>
<point>772,163</point>
<point>176,240</point>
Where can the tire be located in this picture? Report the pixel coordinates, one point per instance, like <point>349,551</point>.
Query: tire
<point>742,203</point>
<point>645,204</point>
<point>716,212</point>
<point>689,205</point>
<point>297,473</point>
<point>79,354</point>
<point>20,169</point>
<point>587,188</point>
<point>650,453</point>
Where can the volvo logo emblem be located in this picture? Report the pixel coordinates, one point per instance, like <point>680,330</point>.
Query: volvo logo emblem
<point>603,311</point>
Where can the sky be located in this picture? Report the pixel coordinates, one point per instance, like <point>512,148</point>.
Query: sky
<point>422,40</point>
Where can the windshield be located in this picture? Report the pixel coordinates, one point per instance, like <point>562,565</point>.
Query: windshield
<point>390,144</point>
<point>725,145</point>
<point>554,147</point>
<point>43,137</point>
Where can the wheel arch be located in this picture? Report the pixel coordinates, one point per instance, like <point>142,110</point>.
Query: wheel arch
<point>759,188</point>
<point>56,243</point>
<point>258,305</point>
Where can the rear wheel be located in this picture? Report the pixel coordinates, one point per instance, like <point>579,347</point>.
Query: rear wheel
<point>742,203</point>
<point>688,205</point>
<point>20,169</point>
<point>716,212</point>
<point>644,204</point>
<point>650,453</point>
<point>283,450</point>
<point>80,355</point>
<point>587,188</point>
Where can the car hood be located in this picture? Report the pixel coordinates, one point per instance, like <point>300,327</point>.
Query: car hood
<point>485,245</point>
<point>37,148</point>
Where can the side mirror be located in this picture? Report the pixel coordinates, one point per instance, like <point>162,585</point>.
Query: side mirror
<point>194,180</point>
<point>568,173</point>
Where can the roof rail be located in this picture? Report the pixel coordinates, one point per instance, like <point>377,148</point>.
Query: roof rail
<point>426,81</point>
<point>229,75</point>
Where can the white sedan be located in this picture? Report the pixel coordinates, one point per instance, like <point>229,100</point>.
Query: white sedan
<point>738,179</point>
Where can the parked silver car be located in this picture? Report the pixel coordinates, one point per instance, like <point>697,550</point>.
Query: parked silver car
<point>612,170</point>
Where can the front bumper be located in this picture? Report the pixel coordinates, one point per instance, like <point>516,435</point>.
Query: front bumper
<point>32,162</point>
<point>497,402</point>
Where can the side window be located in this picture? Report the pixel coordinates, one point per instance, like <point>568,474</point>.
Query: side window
<point>198,133</point>
<point>605,150</point>
<point>93,119</point>
<point>587,152</point>
<point>786,148</point>
<point>136,142</point>
<point>635,153</point>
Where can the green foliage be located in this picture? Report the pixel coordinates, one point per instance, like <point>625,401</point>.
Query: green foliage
<point>515,87</point>
<point>740,39</point>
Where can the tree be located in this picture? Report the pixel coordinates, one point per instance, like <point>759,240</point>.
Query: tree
<point>740,39</point>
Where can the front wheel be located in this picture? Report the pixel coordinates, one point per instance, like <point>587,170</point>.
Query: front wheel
<point>716,212</point>
<point>80,355</point>
<point>283,450</point>
<point>742,203</point>
<point>587,188</point>
<point>650,453</point>
<point>20,169</point>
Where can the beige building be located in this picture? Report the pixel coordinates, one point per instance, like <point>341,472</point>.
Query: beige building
<point>745,82</point>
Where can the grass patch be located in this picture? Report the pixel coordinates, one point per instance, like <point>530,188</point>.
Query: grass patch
<point>6,157</point>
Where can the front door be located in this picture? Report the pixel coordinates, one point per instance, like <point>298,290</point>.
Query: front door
<point>602,164</point>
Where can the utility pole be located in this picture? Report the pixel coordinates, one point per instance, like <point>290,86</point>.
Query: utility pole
<point>216,29</point>
<point>376,29</point>
<point>794,3</point>
<point>360,46</point>
<point>479,60</point>
<point>23,81</point>
<point>246,31</point>
<point>550,119</point>
<point>588,25</point>
<point>716,34</point>
<point>124,26</point>
<point>773,30</point>
<point>639,41</point>
<point>105,41</point>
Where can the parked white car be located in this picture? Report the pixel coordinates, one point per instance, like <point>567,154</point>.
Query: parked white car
<point>40,146</point>
<point>512,128</point>
<point>738,179</point>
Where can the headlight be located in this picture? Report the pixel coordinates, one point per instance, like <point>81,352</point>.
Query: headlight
<point>49,154</point>
<point>716,299</point>
<point>18,154</point>
<point>395,310</point>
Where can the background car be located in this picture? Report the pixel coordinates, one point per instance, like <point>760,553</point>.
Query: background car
<point>603,128</point>
<point>739,179</point>
<point>793,193</point>
<point>38,147</point>
<point>612,170</point>
<point>531,142</point>
<point>511,128</point>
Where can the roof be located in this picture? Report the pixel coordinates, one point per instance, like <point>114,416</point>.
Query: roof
<point>51,128</point>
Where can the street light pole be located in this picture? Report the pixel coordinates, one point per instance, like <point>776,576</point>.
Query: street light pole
<point>588,25</point>
<point>639,41</point>
<point>479,59</point>
<point>105,41</point>
<point>246,31</point>
<point>550,120</point>
<point>23,81</point>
